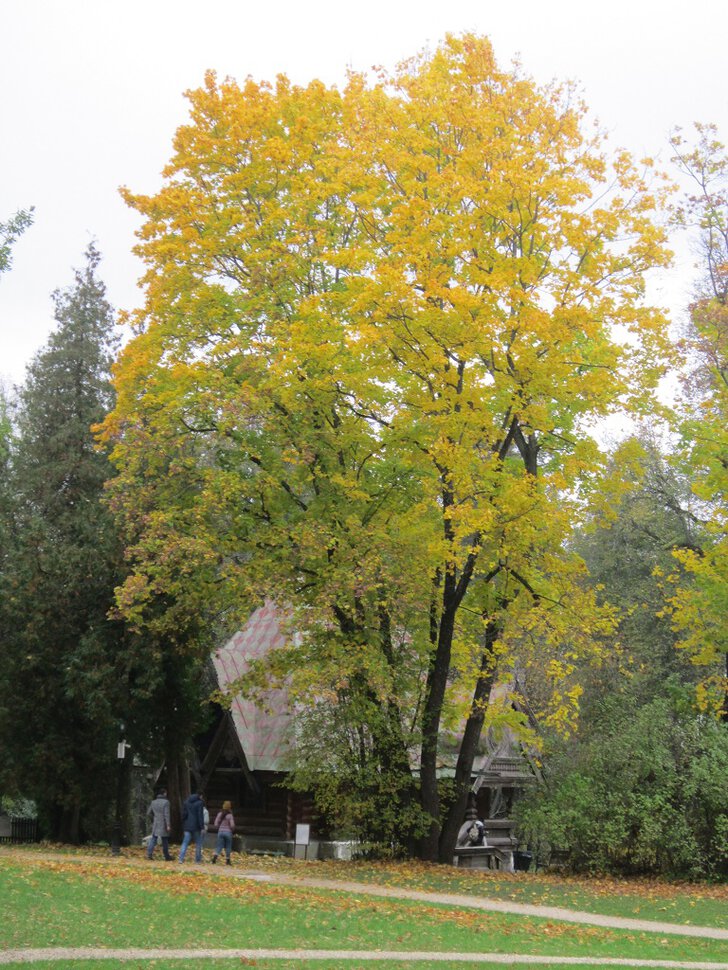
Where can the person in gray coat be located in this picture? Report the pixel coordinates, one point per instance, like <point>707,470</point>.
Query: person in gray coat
<point>159,810</point>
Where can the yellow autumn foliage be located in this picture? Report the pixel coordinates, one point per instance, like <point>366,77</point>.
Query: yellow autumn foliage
<point>377,324</point>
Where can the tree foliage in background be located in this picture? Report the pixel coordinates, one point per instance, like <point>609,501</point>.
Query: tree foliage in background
<point>645,793</point>
<point>6,438</point>
<point>652,514</point>
<point>700,605</point>
<point>9,233</point>
<point>642,786</point>
<point>376,324</point>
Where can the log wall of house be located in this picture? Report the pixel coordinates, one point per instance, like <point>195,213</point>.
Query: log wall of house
<point>270,812</point>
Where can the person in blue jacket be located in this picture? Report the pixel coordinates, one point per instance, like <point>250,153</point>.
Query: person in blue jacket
<point>193,822</point>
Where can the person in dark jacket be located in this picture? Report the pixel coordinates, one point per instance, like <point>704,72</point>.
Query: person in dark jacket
<point>193,821</point>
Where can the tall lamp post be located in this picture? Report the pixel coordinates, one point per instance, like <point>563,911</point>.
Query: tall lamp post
<point>120,755</point>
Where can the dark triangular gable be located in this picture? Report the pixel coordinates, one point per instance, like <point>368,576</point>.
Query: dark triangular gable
<point>225,734</point>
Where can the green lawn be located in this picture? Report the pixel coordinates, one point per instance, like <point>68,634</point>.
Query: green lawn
<point>113,903</point>
<point>699,904</point>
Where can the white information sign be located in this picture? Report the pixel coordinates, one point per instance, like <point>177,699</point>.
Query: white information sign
<point>303,834</point>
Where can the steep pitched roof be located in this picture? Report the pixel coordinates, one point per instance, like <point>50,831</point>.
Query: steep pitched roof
<point>263,732</point>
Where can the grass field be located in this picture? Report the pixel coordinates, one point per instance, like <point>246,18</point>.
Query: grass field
<point>699,904</point>
<point>126,903</point>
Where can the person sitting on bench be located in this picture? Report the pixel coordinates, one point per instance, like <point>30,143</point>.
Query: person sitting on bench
<point>471,833</point>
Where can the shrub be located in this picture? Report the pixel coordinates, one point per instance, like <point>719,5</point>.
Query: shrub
<point>646,793</point>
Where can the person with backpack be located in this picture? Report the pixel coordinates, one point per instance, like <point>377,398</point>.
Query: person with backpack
<point>225,824</point>
<point>193,821</point>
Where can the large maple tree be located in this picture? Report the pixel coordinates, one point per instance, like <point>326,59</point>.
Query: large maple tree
<point>378,324</point>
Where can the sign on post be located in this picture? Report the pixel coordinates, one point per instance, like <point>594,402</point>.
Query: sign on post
<point>303,837</point>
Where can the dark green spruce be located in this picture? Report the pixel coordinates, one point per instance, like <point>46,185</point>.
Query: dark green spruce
<point>61,694</point>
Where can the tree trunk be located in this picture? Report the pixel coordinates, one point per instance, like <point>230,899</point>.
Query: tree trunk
<point>469,745</point>
<point>435,695</point>
<point>178,789</point>
<point>69,824</point>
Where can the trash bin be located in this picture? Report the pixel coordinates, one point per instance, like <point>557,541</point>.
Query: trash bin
<point>522,861</point>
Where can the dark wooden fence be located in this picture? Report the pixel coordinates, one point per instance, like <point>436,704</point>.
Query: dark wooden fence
<point>21,830</point>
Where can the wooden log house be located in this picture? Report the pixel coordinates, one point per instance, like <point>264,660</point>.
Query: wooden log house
<point>245,756</point>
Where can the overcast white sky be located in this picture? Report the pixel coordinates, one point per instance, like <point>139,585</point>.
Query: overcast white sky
<point>91,92</point>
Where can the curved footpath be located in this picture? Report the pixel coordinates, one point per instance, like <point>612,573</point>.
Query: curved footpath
<point>28,955</point>
<point>499,906</point>
<point>411,956</point>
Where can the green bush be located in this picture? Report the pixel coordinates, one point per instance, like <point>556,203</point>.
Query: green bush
<point>18,807</point>
<point>647,792</point>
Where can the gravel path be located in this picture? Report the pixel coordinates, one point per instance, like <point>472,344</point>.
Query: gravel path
<point>500,906</point>
<point>413,956</point>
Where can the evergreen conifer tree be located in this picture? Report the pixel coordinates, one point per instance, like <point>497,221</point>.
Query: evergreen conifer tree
<point>60,697</point>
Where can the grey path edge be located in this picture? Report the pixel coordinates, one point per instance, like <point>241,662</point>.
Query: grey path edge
<point>413,956</point>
